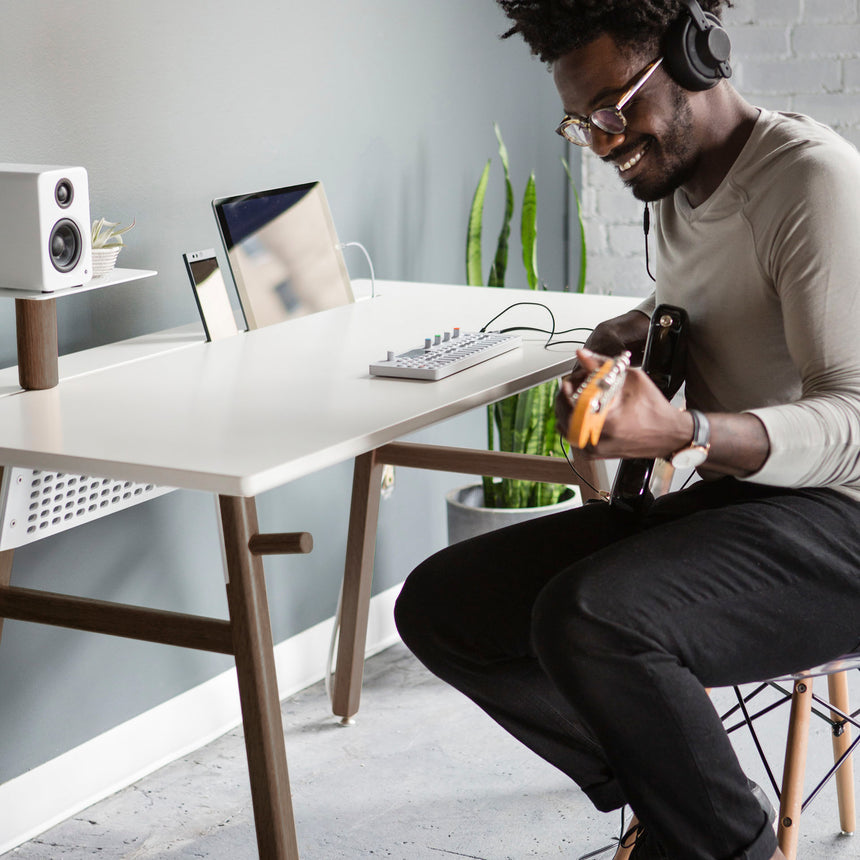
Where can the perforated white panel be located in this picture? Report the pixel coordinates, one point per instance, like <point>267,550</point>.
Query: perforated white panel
<point>35,503</point>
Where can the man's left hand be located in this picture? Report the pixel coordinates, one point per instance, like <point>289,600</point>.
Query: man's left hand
<point>640,422</point>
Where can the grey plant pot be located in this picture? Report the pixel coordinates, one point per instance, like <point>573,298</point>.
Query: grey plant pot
<point>467,519</point>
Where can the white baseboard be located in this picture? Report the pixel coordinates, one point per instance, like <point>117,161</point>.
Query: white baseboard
<point>62,787</point>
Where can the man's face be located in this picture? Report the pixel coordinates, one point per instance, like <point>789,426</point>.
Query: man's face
<point>657,152</point>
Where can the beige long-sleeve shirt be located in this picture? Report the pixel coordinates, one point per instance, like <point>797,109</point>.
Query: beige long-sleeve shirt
<point>768,269</point>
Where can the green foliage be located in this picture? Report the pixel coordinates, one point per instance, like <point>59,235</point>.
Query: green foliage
<point>524,423</point>
<point>580,287</point>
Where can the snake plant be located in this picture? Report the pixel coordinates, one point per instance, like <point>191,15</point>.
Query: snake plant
<point>523,423</point>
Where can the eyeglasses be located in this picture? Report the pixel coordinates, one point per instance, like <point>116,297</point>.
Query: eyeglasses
<point>577,129</point>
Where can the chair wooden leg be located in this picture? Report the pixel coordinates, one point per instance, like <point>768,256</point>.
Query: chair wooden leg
<point>6,557</point>
<point>795,768</point>
<point>837,685</point>
<point>357,580</point>
<point>258,685</point>
<point>625,849</point>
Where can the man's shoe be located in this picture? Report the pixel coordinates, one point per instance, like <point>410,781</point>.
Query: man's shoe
<point>646,846</point>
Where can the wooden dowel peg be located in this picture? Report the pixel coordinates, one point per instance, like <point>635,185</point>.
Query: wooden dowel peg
<point>36,327</point>
<point>282,543</point>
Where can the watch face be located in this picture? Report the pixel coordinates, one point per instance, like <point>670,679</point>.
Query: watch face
<point>690,458</point>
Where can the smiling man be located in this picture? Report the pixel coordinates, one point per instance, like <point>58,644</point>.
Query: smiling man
<point>592,635</point>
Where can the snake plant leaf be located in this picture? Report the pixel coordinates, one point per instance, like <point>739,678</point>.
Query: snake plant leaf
<point>524,422</point>
<point>496,277</point>
<point>580,288</point>
<point>528,232</point>
<point>474,266</point>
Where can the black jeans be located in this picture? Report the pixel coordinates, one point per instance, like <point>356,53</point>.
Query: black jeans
<point>591,639</point>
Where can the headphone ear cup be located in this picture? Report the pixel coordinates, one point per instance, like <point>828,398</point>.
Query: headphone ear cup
<point>693,58</point>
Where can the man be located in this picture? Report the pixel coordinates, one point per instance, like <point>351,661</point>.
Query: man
<point>589,635</point>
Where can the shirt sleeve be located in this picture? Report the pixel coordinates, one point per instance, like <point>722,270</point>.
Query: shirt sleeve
<point>647,305</point>
<point>811,250</point>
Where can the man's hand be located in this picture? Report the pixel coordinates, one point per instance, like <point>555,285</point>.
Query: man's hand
<point>640,422</point>
<point>611,338</point>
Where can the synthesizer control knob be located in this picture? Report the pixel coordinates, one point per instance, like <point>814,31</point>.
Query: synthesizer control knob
<point>427,343</point>
<point>437,340</point>
<point>390,356</point>
<point>446,337</point>
<point>457,331</point>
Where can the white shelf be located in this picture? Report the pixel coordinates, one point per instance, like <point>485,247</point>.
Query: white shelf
<point>111,279</point>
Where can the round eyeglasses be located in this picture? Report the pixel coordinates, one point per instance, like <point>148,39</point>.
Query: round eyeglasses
<point>609,119</point>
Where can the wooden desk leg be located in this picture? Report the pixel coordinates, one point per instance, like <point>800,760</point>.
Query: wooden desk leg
<point>357,580</point>
<point>5,569</point>
<point>258,686</point>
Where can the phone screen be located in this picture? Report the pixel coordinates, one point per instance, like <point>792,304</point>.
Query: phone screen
<point>210,291</point>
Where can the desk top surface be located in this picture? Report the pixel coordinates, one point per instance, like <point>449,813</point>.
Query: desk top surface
<point>249,413</point>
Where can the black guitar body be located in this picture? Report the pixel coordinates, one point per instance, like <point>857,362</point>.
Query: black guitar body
<point>664,362</point>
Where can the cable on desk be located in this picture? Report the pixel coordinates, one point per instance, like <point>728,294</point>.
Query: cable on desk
<point>358,245</point>
<point>553,332</point>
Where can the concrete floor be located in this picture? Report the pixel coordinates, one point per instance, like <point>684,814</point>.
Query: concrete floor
<point>422,774</point>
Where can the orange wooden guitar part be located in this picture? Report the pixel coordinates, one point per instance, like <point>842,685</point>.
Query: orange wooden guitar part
<point>593,398</point>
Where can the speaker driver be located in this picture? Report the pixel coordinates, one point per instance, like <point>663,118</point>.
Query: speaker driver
<point>65,245</point>
<point>64,193</point>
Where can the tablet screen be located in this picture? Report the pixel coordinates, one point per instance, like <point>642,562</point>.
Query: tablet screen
<point>283,253</point>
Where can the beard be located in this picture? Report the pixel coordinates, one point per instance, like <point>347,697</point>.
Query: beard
<point>673,157</point>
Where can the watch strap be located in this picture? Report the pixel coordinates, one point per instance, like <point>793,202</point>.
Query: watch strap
<point>701,429</point>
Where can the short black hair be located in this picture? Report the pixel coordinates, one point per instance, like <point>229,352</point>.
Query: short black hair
<point>551,28</point>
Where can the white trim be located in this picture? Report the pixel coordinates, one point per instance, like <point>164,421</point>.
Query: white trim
<point>58,789</point>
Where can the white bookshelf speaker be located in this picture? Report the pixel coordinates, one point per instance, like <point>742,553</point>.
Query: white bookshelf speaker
<point>45,241</point>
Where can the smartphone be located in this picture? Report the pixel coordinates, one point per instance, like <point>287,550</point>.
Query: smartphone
<point>210,292</point>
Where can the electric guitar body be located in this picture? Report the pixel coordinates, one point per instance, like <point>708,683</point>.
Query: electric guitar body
<point>664,363</point>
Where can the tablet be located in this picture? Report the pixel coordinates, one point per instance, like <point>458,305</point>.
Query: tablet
<point>283,253</point>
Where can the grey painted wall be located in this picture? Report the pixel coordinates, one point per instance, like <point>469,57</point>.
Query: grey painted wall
<point>169,104</point>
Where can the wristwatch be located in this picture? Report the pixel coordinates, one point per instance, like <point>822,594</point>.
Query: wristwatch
<point>697,451</point>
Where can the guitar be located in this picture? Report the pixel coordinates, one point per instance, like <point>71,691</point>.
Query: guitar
<point>594,397</point>
<point>663,362</point>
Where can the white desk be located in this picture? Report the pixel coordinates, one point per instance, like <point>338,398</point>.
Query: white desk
<point>250,413</point>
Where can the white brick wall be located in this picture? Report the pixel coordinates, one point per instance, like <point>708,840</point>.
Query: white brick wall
<point>797,55</point>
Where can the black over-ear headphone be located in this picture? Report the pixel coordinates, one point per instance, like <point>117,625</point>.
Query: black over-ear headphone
<point>696,49</point>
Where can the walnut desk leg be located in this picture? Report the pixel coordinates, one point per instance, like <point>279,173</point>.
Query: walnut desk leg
<point>258,686</point>
<point>361,537</point>
<point>357,580</point>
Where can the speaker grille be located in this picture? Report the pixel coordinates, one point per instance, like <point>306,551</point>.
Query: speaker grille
<point>36,503</point>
